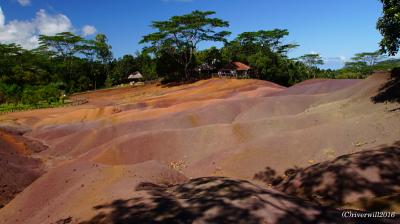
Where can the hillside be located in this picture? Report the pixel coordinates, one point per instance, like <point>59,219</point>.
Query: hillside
<point>162,151</point>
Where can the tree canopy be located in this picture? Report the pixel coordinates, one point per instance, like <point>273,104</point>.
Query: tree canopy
<point>180,35</point>
<point>312,60</point>
<point>369,58</point>
<point>389,26</point>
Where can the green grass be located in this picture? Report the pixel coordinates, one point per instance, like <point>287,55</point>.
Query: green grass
<point>11,107</point>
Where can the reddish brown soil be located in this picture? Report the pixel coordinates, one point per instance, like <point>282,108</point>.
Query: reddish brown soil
<point>99,152</point>
<point>17,168</point>
<point>338,182</point>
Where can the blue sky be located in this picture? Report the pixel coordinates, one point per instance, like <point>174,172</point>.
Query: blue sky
<point>335,29</point>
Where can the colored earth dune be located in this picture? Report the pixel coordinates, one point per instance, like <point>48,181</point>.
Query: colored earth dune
<point>214,151</point>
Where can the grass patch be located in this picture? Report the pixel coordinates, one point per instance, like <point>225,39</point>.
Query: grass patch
<point>11,107</point>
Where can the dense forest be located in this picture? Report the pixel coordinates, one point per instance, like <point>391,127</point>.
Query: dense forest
<point>67,63</point>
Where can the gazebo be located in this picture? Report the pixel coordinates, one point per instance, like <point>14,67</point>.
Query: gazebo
<point>235,69</point>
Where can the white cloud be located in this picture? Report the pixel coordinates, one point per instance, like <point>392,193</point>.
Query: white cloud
<point>51,24</point>
<point>2,19</point>
<point>26,33</point>
<point>24,2</point>
<point>88,30</point>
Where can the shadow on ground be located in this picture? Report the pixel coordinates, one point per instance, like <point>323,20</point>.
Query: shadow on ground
<point>389,92</point>
<point>213,200</point>
<point>357,177</point>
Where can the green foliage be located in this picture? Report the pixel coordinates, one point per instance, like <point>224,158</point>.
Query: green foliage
<point>10,107</point>
<point>389,26</point>
<point>146,65</point>
<point>362,65</point>
<point>311,60</point>
<point>265,51</point>
<point>121,69</point>
<point>32,95</point>
<point>168,67</point>
<point>368,58</point>
<point>10,93</point>
<point>387,64</point>
<point>70,61</point>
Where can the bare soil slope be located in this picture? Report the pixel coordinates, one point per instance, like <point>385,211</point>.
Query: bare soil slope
<point>17,167</point>
<point>99,152</point>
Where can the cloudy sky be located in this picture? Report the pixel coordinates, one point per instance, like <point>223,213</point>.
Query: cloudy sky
<point>335,29</point>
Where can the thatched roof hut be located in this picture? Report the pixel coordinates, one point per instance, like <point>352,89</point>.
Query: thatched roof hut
<point>135,76</point>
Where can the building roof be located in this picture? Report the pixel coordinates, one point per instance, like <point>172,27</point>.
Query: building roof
<point>238,66</point>
<point>135,75</point>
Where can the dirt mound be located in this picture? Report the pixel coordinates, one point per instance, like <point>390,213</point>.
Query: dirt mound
<point>17,168</point>
<point>319,86</point>
<point>346,179</point>
<point>212,200</point>
<point>98,152</point>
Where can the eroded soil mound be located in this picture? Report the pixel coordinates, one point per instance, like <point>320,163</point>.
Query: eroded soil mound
<point>17,168</point>
<point>99,152</point>
<point>361,176</point>
<point>213,200</point>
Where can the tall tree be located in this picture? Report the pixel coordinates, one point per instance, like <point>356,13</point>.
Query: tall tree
<point>180,35</point>
<point>363,63</point>
<point>389,26</point>
<point>63,45</point>
<point>312,61</point>
<point>103,52</point>
<point>89,49</point>
<point>270,39</point>
<point>369,58</point>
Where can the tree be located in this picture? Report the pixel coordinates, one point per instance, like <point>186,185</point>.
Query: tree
<point>363,63</point>
<point>121,70</point>
<point>62,45</point>
<point>180,35</point>
<point>103,52</point>
<point>312,61</point>
<point>89,49</point>
<point>211,56</point>
<point>266,52</point>
<point>64,61</point>
<point>270,39</point>
<point>146,65</point>
<point>369,58</point>
<point>389,26</point>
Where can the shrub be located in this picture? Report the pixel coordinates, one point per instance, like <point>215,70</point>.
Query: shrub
<point>30,96</point>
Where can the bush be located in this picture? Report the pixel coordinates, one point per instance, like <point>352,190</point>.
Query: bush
<point>3,98</point>
<point>11,93</point>
<point>30,96</point>
<point>49,93</point>
<point>35,95</point>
